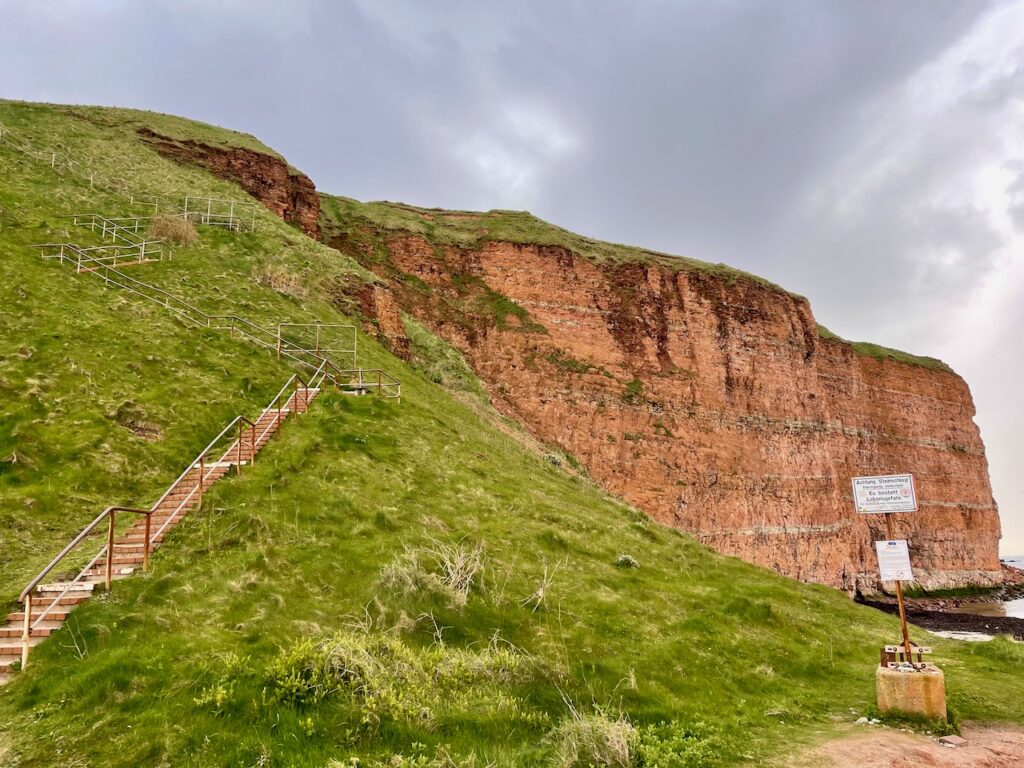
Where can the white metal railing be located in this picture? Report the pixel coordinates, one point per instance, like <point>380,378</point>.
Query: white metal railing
<point>236,215</point>
<point>313,334</point>
<point>103,265</point>
<point>108,256</point>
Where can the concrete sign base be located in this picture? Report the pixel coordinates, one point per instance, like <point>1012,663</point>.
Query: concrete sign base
<point>920,692</point>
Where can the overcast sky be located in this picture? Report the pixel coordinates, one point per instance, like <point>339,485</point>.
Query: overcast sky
<point>829,145</point>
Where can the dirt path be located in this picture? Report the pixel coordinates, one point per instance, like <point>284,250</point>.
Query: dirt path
<point>876,747</point>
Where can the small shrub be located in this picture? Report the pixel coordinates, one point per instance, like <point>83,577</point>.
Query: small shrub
<point>172,229</point>
<point>634,393</point>
<point>390,680</point>
<point>672,744</point>
<point>626,561</point>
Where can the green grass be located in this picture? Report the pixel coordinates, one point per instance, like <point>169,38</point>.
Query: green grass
<point>367,227</point>
<point>302,617</point>
<point>470,229</point>
<point>879,352</point>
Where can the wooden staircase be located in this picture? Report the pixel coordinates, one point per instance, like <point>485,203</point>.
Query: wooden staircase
<point>46,604</point>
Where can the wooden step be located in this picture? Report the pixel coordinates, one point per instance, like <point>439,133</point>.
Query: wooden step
<point>45,628</point>
<point>71,598</point>
<point>60,586</point>
<point>12,647</point>
<point>132,546</point>
<point>99,576</point>
<point>57,614</point>
<point>125,558</point>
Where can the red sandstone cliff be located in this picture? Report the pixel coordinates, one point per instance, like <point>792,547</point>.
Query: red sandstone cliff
<point>712,404</point>
<point>285,191</point>
<point>706,400</point>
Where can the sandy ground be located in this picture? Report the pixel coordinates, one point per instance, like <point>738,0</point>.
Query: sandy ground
<point>876,747</point>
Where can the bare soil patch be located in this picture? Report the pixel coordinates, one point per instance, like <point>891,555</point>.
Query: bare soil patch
<point>876,747</point>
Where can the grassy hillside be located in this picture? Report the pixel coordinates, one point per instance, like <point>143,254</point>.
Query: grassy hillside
<point>390,584</point>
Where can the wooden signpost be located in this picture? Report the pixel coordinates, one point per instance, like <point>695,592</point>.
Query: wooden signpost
<point>886,495</point>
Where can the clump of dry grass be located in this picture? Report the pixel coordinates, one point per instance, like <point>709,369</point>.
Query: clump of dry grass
<point>281,280</point>
<point>592,740</point>
<point>449,568</point>
<point>172,229</point>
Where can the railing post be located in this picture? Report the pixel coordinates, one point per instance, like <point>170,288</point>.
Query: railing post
<point>110,548</point>
<point>238,466</point>
<point>379,383</point>
<point>202,471</point>
<point>26,631</point>
<point>145,548</point>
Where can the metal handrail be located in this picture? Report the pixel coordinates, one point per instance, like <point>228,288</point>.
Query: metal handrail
<point>279,403</point>
<point>386,384</point>
<point>26,595</point>
<point>109,511</point>
<point>59,161</point>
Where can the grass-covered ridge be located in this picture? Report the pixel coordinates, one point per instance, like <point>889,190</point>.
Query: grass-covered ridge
<point>372,223</point>
<point>470,229</point>
<point>877,351</point>
<point>385,580</point>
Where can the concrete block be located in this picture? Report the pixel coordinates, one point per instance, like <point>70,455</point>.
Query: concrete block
<point>920,692</point>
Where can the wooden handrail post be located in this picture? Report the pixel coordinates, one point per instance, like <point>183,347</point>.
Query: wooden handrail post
<point>110,549</point>
<point>238,465</point>
<point>145,548</point>
<point>26,631</point>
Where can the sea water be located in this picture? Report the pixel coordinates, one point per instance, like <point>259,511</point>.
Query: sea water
<point>1012,608</point>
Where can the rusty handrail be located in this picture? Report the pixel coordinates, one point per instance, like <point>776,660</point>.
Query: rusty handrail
<point>25,598</point>
<point>200,463</point>
<point>75,542</point>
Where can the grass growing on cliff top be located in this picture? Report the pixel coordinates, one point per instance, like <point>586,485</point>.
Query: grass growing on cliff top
<point>105,397</point>
<point>471,229</point>
<point>384,580</point>
<point>879,352</point>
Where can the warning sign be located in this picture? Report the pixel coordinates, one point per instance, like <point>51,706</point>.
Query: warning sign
<point>884,493</point>
<point>894,560</point>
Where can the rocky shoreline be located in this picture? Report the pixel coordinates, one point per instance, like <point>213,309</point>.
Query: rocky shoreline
<point>933,613</point>
<point>957,622</point>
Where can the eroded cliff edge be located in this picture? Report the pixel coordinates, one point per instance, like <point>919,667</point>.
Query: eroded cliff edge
<point>705,397</point>
<point>287,192</point>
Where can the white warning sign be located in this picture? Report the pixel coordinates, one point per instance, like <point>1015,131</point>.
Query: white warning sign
<point>894,560</point>
<point>884,493</point>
